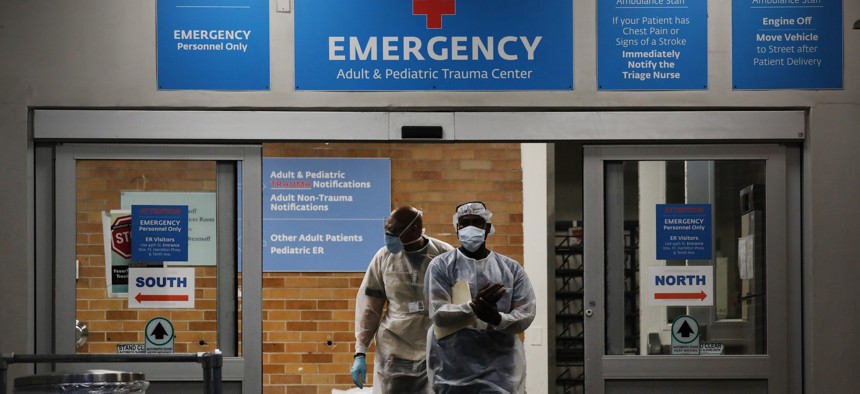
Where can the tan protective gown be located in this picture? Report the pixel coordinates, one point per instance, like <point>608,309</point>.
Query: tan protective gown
<point>401,330</point>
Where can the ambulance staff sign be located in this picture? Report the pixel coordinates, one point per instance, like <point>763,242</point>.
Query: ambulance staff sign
<point>659,45</point>
<point>684,232</point>
<point>434,45</point>
<point>787,44</point>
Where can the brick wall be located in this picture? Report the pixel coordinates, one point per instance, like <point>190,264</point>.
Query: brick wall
<point>110,322</point>
<point>308,337</point>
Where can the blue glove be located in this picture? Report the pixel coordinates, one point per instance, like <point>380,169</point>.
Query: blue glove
<point>359,371</point>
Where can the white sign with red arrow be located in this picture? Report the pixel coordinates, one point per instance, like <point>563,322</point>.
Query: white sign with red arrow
<point>680,285</point>
<point>160,288</point>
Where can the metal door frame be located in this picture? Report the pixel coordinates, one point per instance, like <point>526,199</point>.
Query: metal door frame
<point>781,366</point>
<point>212,125</point>
<point>55,241</point>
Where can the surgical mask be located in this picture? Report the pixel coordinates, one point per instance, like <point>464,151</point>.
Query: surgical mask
<point>393,243</point>
<point>471,237</point>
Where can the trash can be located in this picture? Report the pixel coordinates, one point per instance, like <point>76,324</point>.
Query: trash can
<point>98,381</point>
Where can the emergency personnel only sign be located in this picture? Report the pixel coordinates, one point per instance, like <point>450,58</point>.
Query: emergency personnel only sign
<point>680,286</point>
<point>160,288</point>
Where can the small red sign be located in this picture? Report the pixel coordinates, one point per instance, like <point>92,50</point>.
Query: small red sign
<point>434,9</point>
<point>120,234</point>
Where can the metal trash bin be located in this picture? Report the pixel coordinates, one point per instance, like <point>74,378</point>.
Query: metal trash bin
<point>97,381</point>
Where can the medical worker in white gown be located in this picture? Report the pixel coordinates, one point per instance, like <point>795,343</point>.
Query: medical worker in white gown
<point>391,307</point>
<point>479,301</point>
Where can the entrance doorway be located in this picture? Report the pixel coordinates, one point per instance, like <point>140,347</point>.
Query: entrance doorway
<point>86,268</point>
<point>705,234</point>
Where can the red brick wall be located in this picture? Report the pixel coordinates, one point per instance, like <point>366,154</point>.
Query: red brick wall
<point>110,322</point>
<point>308,336</point>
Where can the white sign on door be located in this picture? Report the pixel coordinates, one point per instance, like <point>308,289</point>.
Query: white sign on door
<point>160,288</point>
<point>680,285</point>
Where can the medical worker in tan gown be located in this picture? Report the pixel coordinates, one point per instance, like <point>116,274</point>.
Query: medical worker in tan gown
<point>395,278</point>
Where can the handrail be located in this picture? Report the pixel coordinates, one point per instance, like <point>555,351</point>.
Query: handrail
<point>210,362</point>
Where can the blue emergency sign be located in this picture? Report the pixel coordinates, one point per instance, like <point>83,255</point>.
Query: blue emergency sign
<point>215,44</point>
<point>159,233</point>
<point>684,232</point>
<point>652,45</point>
<point>787,44</point>
<point>433,45</point>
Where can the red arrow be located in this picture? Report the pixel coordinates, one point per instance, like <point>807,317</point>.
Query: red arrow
<point>681,296</point>
<point>159,297</point>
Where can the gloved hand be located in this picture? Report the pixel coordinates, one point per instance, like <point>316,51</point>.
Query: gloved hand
<point>491,293</point>
<point>359,371</point>
<point>486,312</point>
<point>484,303</point>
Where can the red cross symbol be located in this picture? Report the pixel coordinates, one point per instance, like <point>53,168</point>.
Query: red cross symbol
<point>434,9</point>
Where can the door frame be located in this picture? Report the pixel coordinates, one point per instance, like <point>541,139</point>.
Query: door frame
<point>55,243</point>
<point>781,367</point>
<point>525,125</point>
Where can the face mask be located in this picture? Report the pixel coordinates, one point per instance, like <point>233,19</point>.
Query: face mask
<point>471,237</point>
<point>393,243</point>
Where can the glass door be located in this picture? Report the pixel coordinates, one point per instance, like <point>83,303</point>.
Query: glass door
<point>148,257</point>
<point>690,255</point>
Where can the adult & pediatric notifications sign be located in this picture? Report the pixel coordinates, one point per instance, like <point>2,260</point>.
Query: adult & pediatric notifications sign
<point>213,44</point>
<point>652,44</point>
<point>787,44</point>
<point>323,214</point>
<point>434,45</point>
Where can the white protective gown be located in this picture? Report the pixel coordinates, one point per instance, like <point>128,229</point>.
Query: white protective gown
<point>401,332</point>
<point>477,358</point>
